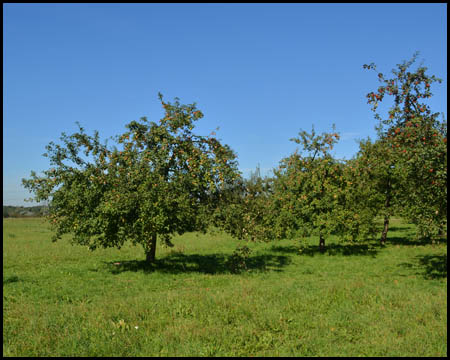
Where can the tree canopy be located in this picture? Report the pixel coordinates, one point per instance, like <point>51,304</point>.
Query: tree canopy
<point>165,180</point>
<point>162,178</point>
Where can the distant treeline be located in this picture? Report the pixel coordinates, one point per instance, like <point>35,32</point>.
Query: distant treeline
<point>22,211</point>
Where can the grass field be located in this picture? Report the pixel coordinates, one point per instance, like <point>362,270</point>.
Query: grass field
<point>353,300</point>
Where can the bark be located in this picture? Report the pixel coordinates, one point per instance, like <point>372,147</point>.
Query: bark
<point>151,250</point>
<point>387,205</point>
<point>385,230</point>
<point>321,243</point>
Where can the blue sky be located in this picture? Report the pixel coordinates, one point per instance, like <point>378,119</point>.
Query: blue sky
<point>260,72</point>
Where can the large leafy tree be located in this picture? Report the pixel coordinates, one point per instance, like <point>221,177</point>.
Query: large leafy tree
<point>417,138</point>
<point>163,179</point>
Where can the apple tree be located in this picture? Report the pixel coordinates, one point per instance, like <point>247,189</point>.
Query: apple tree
<point>383,179</point>
<point>417,139</point>
<point>159,180</point>
<point>305,189</point>
<point>315,194</point>
<point>246,211</point>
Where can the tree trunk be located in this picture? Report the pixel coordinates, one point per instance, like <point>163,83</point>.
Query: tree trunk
<point>387,205</point>
<point>151,250</point>
<point>321,243</point>
<point>385,230</point>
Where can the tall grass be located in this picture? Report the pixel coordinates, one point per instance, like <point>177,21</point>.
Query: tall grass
<point>353,300</point>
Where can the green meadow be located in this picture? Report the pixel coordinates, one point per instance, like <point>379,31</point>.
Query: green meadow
<point>353,300</point>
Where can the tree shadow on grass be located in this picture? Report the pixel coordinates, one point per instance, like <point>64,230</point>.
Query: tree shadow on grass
<point>399,228</point>
<point>370,249</point>
<point>429,266</point>
<point>288,249</point>
<point>10,279</point>
<point>206,264</point>
<point>411,240</point>
<point>342,249</point>
<point>435,265</point>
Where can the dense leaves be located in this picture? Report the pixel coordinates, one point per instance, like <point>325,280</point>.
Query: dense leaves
<point>164,180</point>
<point>317,195</point>
<point>246,211</point>
<point>414,142</point>
<point>382,178</point>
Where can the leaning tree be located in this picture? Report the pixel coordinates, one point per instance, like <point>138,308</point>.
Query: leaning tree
<point>160,179</point>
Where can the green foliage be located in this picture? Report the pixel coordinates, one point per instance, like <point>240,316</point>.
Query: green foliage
<point>414,143</point>
<point>302,188</point>
<point>314,194</point>
<point>246,208</point>
<point>381,179</point>
<point>164,180</point>
<point>356,202</point>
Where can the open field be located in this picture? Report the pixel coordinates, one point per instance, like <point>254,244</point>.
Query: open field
<point>354,300</point>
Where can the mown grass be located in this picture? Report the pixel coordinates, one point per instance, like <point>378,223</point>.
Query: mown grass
<point>353,300</point>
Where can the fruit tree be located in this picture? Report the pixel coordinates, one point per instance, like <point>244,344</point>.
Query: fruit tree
<point>162,180</point>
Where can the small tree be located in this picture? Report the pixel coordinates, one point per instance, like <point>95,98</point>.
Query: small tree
<point>306,189</point>
<point>356,202</point>
<point>319,195</point>
<point>246,213</point>
<point>418,142</point>
<point>163,181</point>
<point>383,180</point>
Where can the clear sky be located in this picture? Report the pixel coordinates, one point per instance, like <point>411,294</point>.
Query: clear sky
<point>260,72</point>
